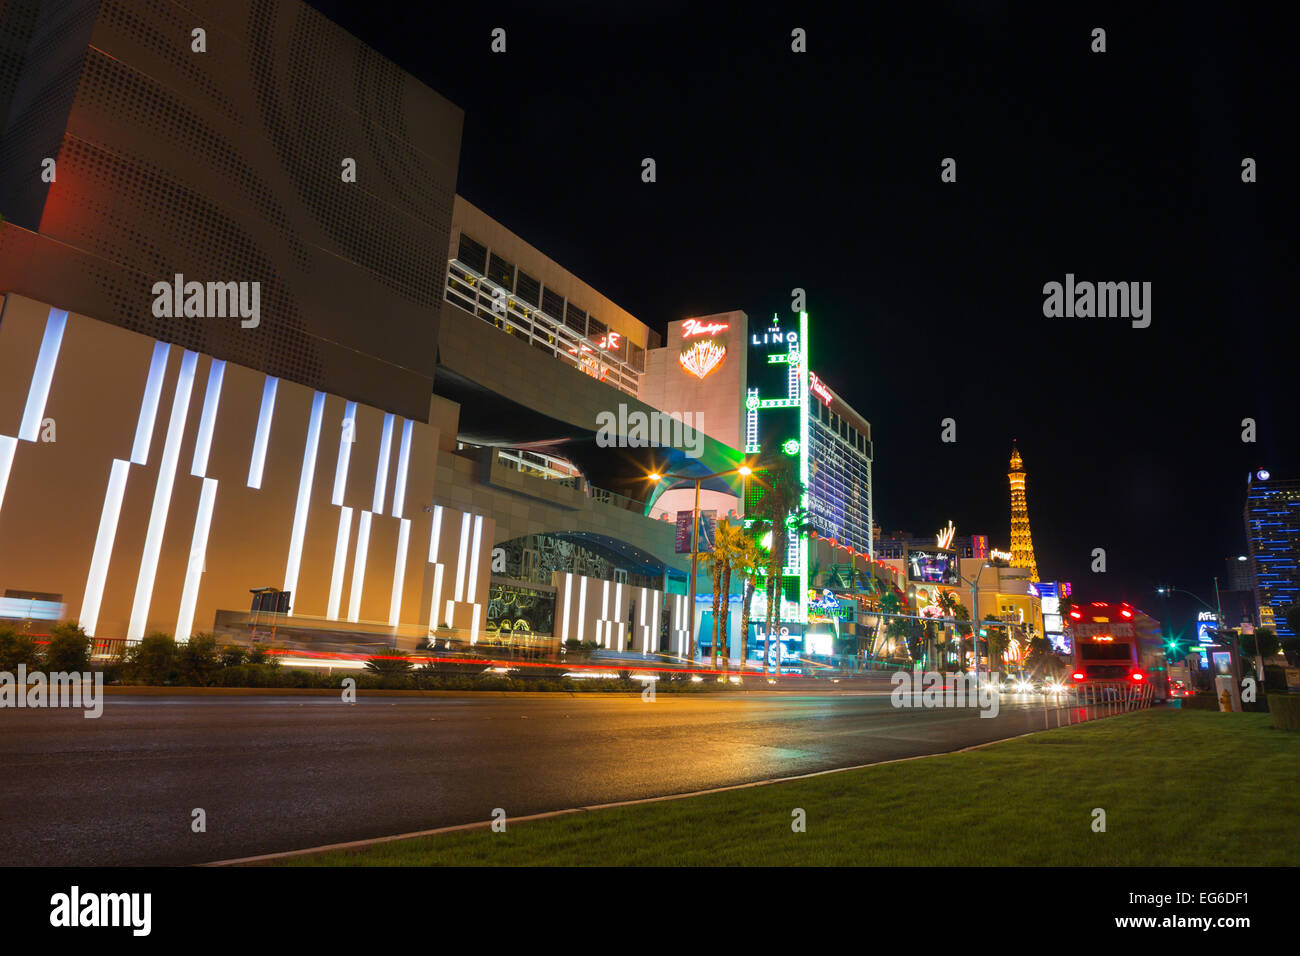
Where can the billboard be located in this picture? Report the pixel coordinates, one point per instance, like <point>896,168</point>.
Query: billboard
<point>707,534</point>
<point>933,566</point>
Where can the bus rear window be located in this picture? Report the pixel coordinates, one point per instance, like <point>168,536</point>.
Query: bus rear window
<point>1105,652</point>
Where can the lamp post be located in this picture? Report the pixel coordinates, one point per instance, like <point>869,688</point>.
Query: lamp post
<point>744,471</point>
<point>975,618</point>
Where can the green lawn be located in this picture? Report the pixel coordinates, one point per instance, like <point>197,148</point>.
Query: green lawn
<point>1178,788</point>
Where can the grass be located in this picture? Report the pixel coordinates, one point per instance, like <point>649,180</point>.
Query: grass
<point>1180,788</point>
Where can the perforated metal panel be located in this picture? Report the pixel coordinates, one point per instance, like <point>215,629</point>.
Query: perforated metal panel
<point>226,165</point>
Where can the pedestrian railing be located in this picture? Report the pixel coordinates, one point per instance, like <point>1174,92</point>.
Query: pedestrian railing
<point>1076,703</point>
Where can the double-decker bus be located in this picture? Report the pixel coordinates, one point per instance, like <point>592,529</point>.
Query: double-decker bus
<point>1117,642</point>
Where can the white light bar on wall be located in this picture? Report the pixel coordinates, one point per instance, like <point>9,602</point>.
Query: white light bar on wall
<point>399,572</point>
<point>340,563</point>
<point>198,560</point>
<point>162,497</point>
<point>208,419</point>
<point>305,479</point>
<point>347,437</point>
<point>263,436</point>
<point>107,534</point>
<point>381,470</point>
<point>149,406</point>
<point>403,465</point>
<point>359,567</point>
<point>39,392</point>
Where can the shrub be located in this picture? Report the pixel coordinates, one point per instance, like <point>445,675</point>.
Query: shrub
<point>17,648</point>
<point>1205,700</point>
<point>197,660</point>
<point>68,650</point>
<point>153,660</point>
<point>1285,710</point>
<point>232,655</point>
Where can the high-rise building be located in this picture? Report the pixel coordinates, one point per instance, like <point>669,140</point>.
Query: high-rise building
<point>1236,574</point>
<point>1272,516</point>
<point>1022,544</point>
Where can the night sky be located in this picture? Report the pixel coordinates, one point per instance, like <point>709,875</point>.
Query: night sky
<point>822,170</point>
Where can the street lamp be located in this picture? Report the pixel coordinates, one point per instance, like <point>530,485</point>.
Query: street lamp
<point>975,619</point>
<point>744,471</point>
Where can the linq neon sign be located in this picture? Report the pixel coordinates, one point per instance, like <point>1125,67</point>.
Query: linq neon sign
<point>694,327</point>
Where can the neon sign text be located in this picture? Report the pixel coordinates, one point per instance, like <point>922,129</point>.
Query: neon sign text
<point>694,327</point>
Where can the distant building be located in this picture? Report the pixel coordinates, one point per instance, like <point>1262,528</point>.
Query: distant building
<point>1272,517</point>
<point>1236,574</point>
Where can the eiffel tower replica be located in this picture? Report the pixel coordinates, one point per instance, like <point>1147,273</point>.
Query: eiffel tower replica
<point>1022,545</point>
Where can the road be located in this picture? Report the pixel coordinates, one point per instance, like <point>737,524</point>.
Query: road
<point>283,773</point>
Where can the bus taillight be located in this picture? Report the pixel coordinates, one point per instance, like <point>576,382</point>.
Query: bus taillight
<point>1077,675</point>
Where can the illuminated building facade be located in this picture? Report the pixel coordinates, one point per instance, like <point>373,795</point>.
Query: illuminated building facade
<point>1022,543</point>
<point>407,453</point>
<point>1272,518</point>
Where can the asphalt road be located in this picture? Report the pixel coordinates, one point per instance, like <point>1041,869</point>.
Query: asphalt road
<point>284,773</point>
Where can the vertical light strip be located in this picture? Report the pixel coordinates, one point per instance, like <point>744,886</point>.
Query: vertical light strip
<point>568,597</point>
<point>472,590</point>
<point>359,567</point>
<point>208,419</point>
<point>618,609</point>
<point>582,605</point>
<point>403,465</point>
<point>149,406</point>
<point>460,563</point>
<point>39,392</point>
<point>162,497</point>
<point>263,438</point>
<point>347,438</point>
<point>381,470</point>
<point>437,595</point>
<point>399,572</point>
<point>654,635</point>
<point>604,617</point>
<point>802,548</point>
<point>474,622</point>
<point>104,539</point>
<point>340,563</point>
<point>8,446</point>
<point>305,479</point>
<point>198,558</point>
<point>435,534</point>
<point>645,635</point>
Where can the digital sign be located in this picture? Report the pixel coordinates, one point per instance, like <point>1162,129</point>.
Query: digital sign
<point>933,567</point>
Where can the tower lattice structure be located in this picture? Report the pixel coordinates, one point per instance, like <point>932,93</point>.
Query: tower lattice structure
<point>1022,544</point>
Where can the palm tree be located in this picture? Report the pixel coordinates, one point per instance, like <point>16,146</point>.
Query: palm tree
<point>749,557</point>
<point>948,604</point>
<point>998,641</point>
<point>717,558</point>
<point>727,550</point>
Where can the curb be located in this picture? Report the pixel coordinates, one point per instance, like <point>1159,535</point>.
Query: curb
<point>550,814</point>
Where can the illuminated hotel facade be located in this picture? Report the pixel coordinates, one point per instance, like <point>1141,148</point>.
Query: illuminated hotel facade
<point>1272,519</point>
<point>363,441</point>
<point>404,438</point>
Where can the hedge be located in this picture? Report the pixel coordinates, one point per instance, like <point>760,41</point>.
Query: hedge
<point>1285,709</point>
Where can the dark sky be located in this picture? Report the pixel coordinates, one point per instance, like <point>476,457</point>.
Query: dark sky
<point>821,170</point>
